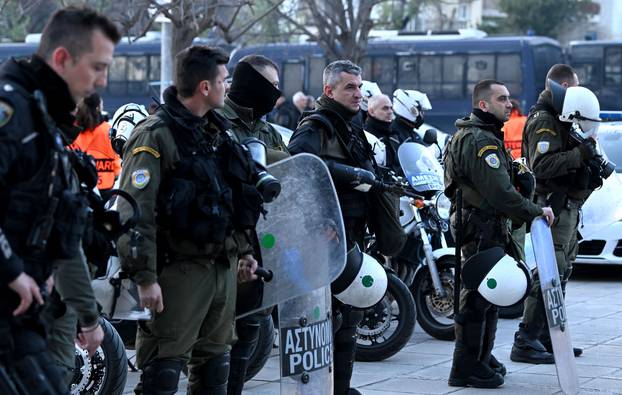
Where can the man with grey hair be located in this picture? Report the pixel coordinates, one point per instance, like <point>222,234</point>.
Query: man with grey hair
<point>330,133</point>
<point>300,101</point>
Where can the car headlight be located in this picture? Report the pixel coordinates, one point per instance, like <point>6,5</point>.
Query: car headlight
<point>442,205</point>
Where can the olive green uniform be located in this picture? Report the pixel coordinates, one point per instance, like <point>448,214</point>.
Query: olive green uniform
<point>477,163</point>
<point>243,126</point>
<point>198,282</point>
<point>557,166</point>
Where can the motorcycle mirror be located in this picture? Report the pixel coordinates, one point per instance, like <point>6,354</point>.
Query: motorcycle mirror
<point>430,137</point>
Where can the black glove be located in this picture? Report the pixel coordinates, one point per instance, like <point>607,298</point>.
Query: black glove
<point>525,183</point>
<point>587,148</point>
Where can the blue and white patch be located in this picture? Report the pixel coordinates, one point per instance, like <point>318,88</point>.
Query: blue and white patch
<point>543,147</point>
<point>140,178</point>
<point>492,160</point>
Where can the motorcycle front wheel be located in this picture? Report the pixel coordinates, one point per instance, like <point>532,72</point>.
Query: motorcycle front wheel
<point>387,326</point>
<point>105,373</point>
<point>436,313</point>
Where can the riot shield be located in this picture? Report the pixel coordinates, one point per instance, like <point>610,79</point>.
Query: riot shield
<point>544,252</point>
<point>306,344</point>
<point>301,236</point>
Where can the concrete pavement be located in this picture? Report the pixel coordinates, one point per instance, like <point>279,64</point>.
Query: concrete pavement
<point>594,306</point>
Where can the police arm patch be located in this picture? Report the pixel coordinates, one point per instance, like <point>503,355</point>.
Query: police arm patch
<point>483,150</point>
<point>543,147</point>
<point>492,160</point>
<point>6,112</point>
<point>140,178</point>
<point>546,130</point>
<point>144,148</point>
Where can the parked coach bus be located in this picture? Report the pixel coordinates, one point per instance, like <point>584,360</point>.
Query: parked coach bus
<point>599,67</point>
<point>444,68</point>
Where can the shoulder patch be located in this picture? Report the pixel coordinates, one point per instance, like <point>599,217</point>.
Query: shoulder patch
<point>144,148</point>
<point>6,112</point>
<point>486,148</point>
<point>140,178</point>
<point>546,130</point>
<point>542,147</point>
<point>492,160</point>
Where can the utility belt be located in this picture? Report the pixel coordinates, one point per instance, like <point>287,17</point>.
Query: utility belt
<point>558,201</point>
<point>171,250</point>
<point>487,228</point>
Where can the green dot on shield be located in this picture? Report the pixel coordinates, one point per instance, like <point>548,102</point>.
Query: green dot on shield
<point>491,283</point>
<point>368,281</point>
<point>316,313</point>
<point>268,240</point>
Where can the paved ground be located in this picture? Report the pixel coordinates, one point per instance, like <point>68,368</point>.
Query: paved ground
<point>594,305</point>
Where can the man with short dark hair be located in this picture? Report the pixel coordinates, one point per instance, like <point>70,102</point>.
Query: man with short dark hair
<point>253,93</point>
<point>331,133</point>
<point>190,180</point>
<point>477,163</point>
<point>562,180</point>
<point>44,211</point>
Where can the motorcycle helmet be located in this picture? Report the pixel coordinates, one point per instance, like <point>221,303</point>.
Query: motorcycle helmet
<point>577,104</point>
<point>123,123</point>
<point>380,151</point>
<point>363,282</point>
<point>409,104</point>
<point>368,89</point>
<point>498,277</point>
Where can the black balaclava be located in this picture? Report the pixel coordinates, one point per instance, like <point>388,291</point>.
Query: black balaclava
<point>252,90</point>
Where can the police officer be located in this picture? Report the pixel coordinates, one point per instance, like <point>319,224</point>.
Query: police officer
<point>560,167</point>
<point>253,93</point>
<point>379,118</point>
<point>43,212</point>
<point>331,133</point>
<point>191,181</point>
<point>408,106</point>
<point>477,163</point>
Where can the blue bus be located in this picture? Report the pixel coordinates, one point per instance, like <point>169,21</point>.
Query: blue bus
<point>599,67</point>
<point>445,69</point>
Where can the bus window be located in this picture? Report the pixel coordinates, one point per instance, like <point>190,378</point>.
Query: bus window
<point>613,66</point>
<point>509,72</point>
<point>588,73</point>
<point>117,80</point>
<point>293,78</point>
<point>430,75</point>
<point>453,77</point>
<point>545,56</point>
<point>137,74</point>
<point>479,67</point>
<point>383,71</point>
<point>367,69</point>
<point>316,67</point>
<point>407,72</point>
<point>154,68</point>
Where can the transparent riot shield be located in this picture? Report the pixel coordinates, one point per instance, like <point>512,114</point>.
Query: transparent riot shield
<point>306,344</point>
<point>301,236</point>
<point>544,252</point>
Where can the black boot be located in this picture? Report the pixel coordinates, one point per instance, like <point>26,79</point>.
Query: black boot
<point>467,370</point>
<point>211,377</point>
<point>160,377</point>
<point>528,349</point>
<point>490,331</point>
<point>545,339</point>
<point>345,350</point>
<point>247,329</point>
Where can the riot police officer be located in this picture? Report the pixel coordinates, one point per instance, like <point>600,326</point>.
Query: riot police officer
<point>253,93</point>
<point>561,169</point>
<point>331,133</point>
<point>478,165</point>
<point>195,187</point>
<point>43,210</point>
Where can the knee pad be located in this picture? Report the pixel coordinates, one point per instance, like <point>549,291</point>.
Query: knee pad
<point>161,376</point>
<point>214,375</point>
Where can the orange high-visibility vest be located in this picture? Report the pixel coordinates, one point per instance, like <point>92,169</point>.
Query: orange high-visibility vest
<point>513,134</point>
<point>96,142</point>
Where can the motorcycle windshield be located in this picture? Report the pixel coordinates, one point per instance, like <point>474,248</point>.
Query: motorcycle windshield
<point>421,168</point>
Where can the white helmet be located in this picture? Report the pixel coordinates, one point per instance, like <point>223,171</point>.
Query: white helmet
<point>576,104</point>
<point>123,123</point>
<point>363,282</point>
<point>380,151</point>
<point>498,277</point>
<point>368,89</point>
<point>409,104</point>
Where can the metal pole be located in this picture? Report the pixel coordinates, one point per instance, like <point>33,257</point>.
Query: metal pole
<point>166,57</point>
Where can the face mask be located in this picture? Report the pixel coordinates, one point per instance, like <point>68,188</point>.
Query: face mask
<point>250,89</point>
